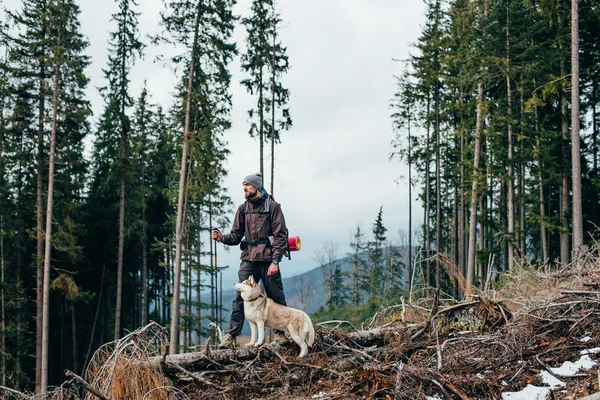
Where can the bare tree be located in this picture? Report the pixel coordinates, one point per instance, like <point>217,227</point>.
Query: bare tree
<point>326,257</point>
<point>304,286</point>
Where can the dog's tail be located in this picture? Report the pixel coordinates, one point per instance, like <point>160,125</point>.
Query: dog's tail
<point>310,338</point>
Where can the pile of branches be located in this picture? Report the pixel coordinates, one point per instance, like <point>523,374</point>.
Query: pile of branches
<point>476,349</point>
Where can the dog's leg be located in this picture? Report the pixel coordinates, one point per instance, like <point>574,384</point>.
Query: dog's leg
<point>252,333</point>
<point>261,333</point>
<point>300,341</point>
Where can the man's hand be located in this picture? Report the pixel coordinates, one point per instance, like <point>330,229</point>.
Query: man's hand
<point>215,234</point>
<point>273,269</point>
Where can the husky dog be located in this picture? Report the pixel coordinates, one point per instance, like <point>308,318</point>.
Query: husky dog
<point>261,311</point>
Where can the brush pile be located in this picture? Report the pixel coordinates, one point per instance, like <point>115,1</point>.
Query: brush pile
<point>484,348</point>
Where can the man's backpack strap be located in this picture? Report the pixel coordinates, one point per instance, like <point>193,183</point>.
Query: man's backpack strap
<point>265,211</point>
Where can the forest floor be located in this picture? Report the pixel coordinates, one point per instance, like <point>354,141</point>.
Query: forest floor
<point>536,338</point>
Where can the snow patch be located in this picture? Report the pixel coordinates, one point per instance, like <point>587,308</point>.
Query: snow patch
<point>551,381</point>
<point>529,393</point>
<point>591,351</point>
<point>571,368</point>
<point>479,375</point>
<point>585,339</point>
<point>434,397</point>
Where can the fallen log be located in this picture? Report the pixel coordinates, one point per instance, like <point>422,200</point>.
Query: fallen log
<point>200,361</point>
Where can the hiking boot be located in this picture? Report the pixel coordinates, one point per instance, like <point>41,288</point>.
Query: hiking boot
<point>279,337</point>
<point>228,342</point>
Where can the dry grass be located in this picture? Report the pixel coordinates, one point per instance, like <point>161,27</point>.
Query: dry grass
<point>120,371</point>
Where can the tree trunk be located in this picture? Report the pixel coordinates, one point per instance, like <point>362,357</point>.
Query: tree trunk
<point>261,122</point>
<point>181,196</point>
<point>438,186</point>
<point>575,152</point>
<point>564,208</point>
<point>121,236</point>
<point>144,270</point>
<point>564,189</point>
<point>74,337</point>
<point>89,349</point>
<point>213,283</point>
<point>40,231</point>
<point>427,202</point>
<point>199,280</point>
<point>461,213</point>
<point>510,201</point>
<point>594,101</point>
<point>474,188</point>
<point>543,235</point>
<point>3,351</point>
<point>481,266</point>
<point>410,265</point>
<point>273,117</point>
<point>48,237</point>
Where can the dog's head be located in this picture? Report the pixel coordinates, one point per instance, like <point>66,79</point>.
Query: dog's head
<point>249,287</point>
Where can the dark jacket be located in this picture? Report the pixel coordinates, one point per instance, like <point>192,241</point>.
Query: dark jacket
<point>253,227</point>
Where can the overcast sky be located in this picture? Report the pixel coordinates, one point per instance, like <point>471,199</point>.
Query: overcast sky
<point>332,168</point>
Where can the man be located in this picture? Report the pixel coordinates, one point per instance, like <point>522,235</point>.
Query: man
<point>260,223</point>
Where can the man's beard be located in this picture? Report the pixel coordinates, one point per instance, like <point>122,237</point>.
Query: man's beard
<point>250,195</point>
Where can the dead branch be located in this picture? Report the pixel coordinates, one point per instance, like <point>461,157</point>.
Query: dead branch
<point>85,385</point>
<point>434,310</point>
<point>338,322</point>
<point>169,369</point>
<point>13,392</point>
<point>581,292</point>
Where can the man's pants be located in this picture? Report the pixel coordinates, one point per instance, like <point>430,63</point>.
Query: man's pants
<point>273,287</point>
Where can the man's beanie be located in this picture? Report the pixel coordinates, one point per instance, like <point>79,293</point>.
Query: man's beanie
<point>255,180</point>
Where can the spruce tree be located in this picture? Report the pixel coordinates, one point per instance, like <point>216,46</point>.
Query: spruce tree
<point>376,262</point>
<point>125,47</point>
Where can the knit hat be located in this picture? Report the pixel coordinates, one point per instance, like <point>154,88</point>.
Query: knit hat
<point>255,180</point>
